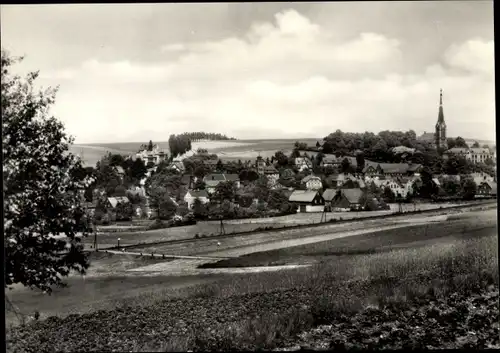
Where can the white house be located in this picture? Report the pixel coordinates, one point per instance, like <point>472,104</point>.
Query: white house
<point>303,163</point>
<point>192,195</point>
<point>312,182</point>
<point>155,156</point>
<point>474,155</point>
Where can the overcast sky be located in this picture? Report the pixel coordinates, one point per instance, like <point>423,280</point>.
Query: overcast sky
<point>136,72</point>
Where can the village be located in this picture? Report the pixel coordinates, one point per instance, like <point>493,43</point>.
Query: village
<point>308,181</point>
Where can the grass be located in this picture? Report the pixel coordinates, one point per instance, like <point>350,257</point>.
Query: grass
<point>377,242</point>
<point>267,310</point>
<point>211,228</point>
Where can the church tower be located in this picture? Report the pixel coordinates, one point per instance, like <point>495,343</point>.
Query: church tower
<point>440,135</point>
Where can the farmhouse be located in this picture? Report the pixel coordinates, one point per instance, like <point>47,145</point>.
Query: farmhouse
<point>192,195</point>
<point>329,161</point>
<point>487,189</point>
<point>307,201</point>
<point>347,199</point>
<point>312,182</point>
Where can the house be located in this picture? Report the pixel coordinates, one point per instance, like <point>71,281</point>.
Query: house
<point>312,182</point>
<point>235,178</point>
<point>212,180</point>
<point>119,171</point>
<point>90,207</point>
<point>260,164</point>
<point>307,201</point>
<point>402,149</point>
<point>347,199</point>
<point>303,163</point>
<point>329,161</point>
<point>155,156</point>
<point>272,175</point>
<point>328,196</point>
<point>487,189</point>
<point>210,163</point>
<point>336,180</point>
<point>473,155</point>
<point>287,173</point>
<point>192,195</point>
<point>177,166</point>
<point>115,201</point>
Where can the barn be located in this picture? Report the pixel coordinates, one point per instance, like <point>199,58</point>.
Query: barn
<point>308,201</point>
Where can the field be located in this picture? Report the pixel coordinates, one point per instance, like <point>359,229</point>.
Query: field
<point>210,228</point>
<point>439,294</point>
<point>378,242</point>
<point>227,150</point>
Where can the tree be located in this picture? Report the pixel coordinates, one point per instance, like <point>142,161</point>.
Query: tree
<point>389,195</point>
<point>116,160</point>
<point>120,190</point>
<point>137,170</point>
<point>281,158</point>
<point>460,143</point>
<point>469,189</point>
<point>41,195</point>
<point>318,144</point>
<point>475,145</point>
<point>262,188</point>
<point>360,161</point>
<point>200,210</point>
<point>225,190</point>
<point>276,199</point>
<point>345,166</point>
<point>124,211</point>
<point>219,167</point>
<point>150,145</point>
<point>199,185</point>
<point>161,202</point>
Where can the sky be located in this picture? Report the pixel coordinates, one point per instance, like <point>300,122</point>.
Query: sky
<point>140,72</point>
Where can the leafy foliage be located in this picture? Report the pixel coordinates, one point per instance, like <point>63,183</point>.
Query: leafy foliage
<point>42,186</point>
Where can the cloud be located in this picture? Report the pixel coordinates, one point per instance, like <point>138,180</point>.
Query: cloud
<point>291,76</point>
<point>475,56</point>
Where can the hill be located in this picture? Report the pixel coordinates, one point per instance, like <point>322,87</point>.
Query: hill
<point>227,150</point>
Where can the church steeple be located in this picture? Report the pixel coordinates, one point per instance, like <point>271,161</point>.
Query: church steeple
<point>441,114</point>
<point>440,135</point>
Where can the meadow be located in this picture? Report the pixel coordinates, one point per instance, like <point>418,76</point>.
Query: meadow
<point>440,295</point>
<point>212,228</point>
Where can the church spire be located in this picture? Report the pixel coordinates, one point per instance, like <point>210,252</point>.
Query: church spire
<point>441,114</point>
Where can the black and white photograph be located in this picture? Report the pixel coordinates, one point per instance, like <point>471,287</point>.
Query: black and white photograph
<point>249,176</point>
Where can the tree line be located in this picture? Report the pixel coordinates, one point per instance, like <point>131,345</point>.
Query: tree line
<point>196,136</point>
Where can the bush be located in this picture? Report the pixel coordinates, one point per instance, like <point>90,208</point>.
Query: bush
<point>157,224</point>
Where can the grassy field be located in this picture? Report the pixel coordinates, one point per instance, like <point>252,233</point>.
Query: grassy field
<point>378,242</point>
<point>211,228</point>
<point>227,150</point>
<point>442,295</point>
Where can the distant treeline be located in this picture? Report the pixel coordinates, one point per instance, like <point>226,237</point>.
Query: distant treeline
<point>196,136</point>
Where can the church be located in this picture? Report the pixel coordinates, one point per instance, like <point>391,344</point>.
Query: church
<point>438,138</point>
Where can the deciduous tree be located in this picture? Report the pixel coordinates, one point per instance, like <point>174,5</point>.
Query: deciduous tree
<point>41,194</point>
